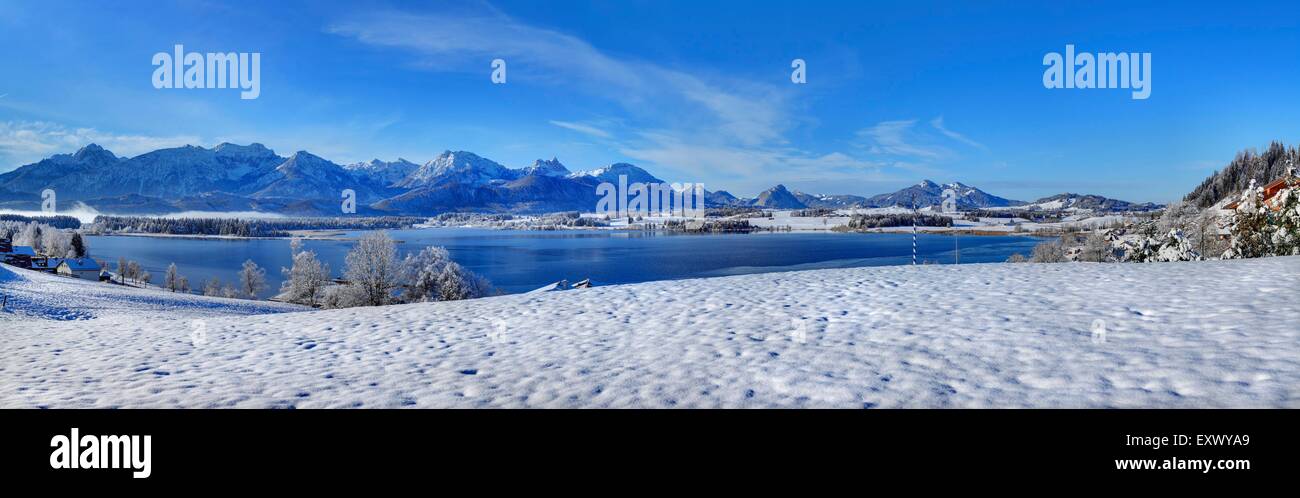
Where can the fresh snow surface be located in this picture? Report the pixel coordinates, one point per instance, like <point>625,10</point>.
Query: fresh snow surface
<point>32,295</point>
<point>1194,334</point>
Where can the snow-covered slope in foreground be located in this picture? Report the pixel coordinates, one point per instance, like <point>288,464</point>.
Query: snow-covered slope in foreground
<point>1202,334</point>
<point>39,295</point>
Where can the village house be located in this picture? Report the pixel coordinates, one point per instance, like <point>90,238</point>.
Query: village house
<point>86,268</point>
<point>44,263</point>
<point>20,256</point>
<point>1270,197</point>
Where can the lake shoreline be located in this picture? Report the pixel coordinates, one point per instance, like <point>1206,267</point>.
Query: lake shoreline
<point>340,235</point>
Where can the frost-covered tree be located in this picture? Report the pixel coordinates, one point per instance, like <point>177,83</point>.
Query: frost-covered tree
<point>372,265</point>
<point>55,243</point>
<point>344,296</point>
<point>121,270</point>
<point>30,236</point>
<point>306,280</point>
<point>421,271</point>
<point>431,275</point>
<point>172,279</point>
<point>1285,222</point>
<point>1249,225</point>
<point>229,291</point>
<point>133,270</point>
<point>252,279</point>
<point>213,287</point>
<point>1052,251</point>
<point>184,284</point>
<point>1176,247</point>
<point>1181,216</point>
<point>1097,248</point>
<point>146,277</point>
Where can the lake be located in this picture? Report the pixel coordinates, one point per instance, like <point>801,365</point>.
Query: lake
<point>522,260</point>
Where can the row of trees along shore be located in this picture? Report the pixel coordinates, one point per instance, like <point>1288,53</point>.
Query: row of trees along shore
<point>373,276</point>
<point>238,227</point>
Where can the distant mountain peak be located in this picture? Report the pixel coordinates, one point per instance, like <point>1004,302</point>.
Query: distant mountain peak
<point>92,153</point>
<point>928,193</point>
<point>1070,201</point>
<point>458,167</point>
<point>778,197</point>
<point>547,168</point>
<point>251,150</point>
<point>302,154</point>
<point>634,173</point>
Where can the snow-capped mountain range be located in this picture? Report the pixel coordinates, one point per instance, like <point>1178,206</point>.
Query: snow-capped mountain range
<point>251,177</point>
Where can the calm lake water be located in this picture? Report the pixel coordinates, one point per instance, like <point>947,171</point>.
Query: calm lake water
<point>520,261</point>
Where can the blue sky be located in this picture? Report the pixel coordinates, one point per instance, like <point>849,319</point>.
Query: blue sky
<point>691,90</point>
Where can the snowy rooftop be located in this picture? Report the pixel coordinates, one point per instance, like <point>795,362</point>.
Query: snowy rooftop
<point>987,335</point>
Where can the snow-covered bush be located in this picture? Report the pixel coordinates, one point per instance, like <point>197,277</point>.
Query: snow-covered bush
<point>230,292</point>
<point>431,275</point>
<point>456,283</point>
<point>1176,247</point>
<point>1052,251</point>
<point>1173,246</point>
<point>344,296</point>
<point>212,288</point>
<point>1097,248</point>
<point>1286,223</point>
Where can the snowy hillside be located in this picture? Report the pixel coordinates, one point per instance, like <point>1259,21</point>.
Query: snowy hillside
<point>40,296</point>
<point>981,335</point>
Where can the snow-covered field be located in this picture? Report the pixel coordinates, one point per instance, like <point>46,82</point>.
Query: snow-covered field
<point>1198,334</point>
<point>31,295</point>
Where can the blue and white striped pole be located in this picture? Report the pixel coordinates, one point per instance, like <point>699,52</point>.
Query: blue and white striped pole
<point>913,232</point>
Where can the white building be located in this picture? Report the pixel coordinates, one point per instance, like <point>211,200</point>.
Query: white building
<point>86,268</point>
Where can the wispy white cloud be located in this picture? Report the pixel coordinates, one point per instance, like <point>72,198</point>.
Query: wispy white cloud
<point>583,128</point>
<point>748,113</point>
<point>24,142</point>
<point>696,126</point>
<point>736,115</point>
<point>937,123</point>
<point>892,138</point>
